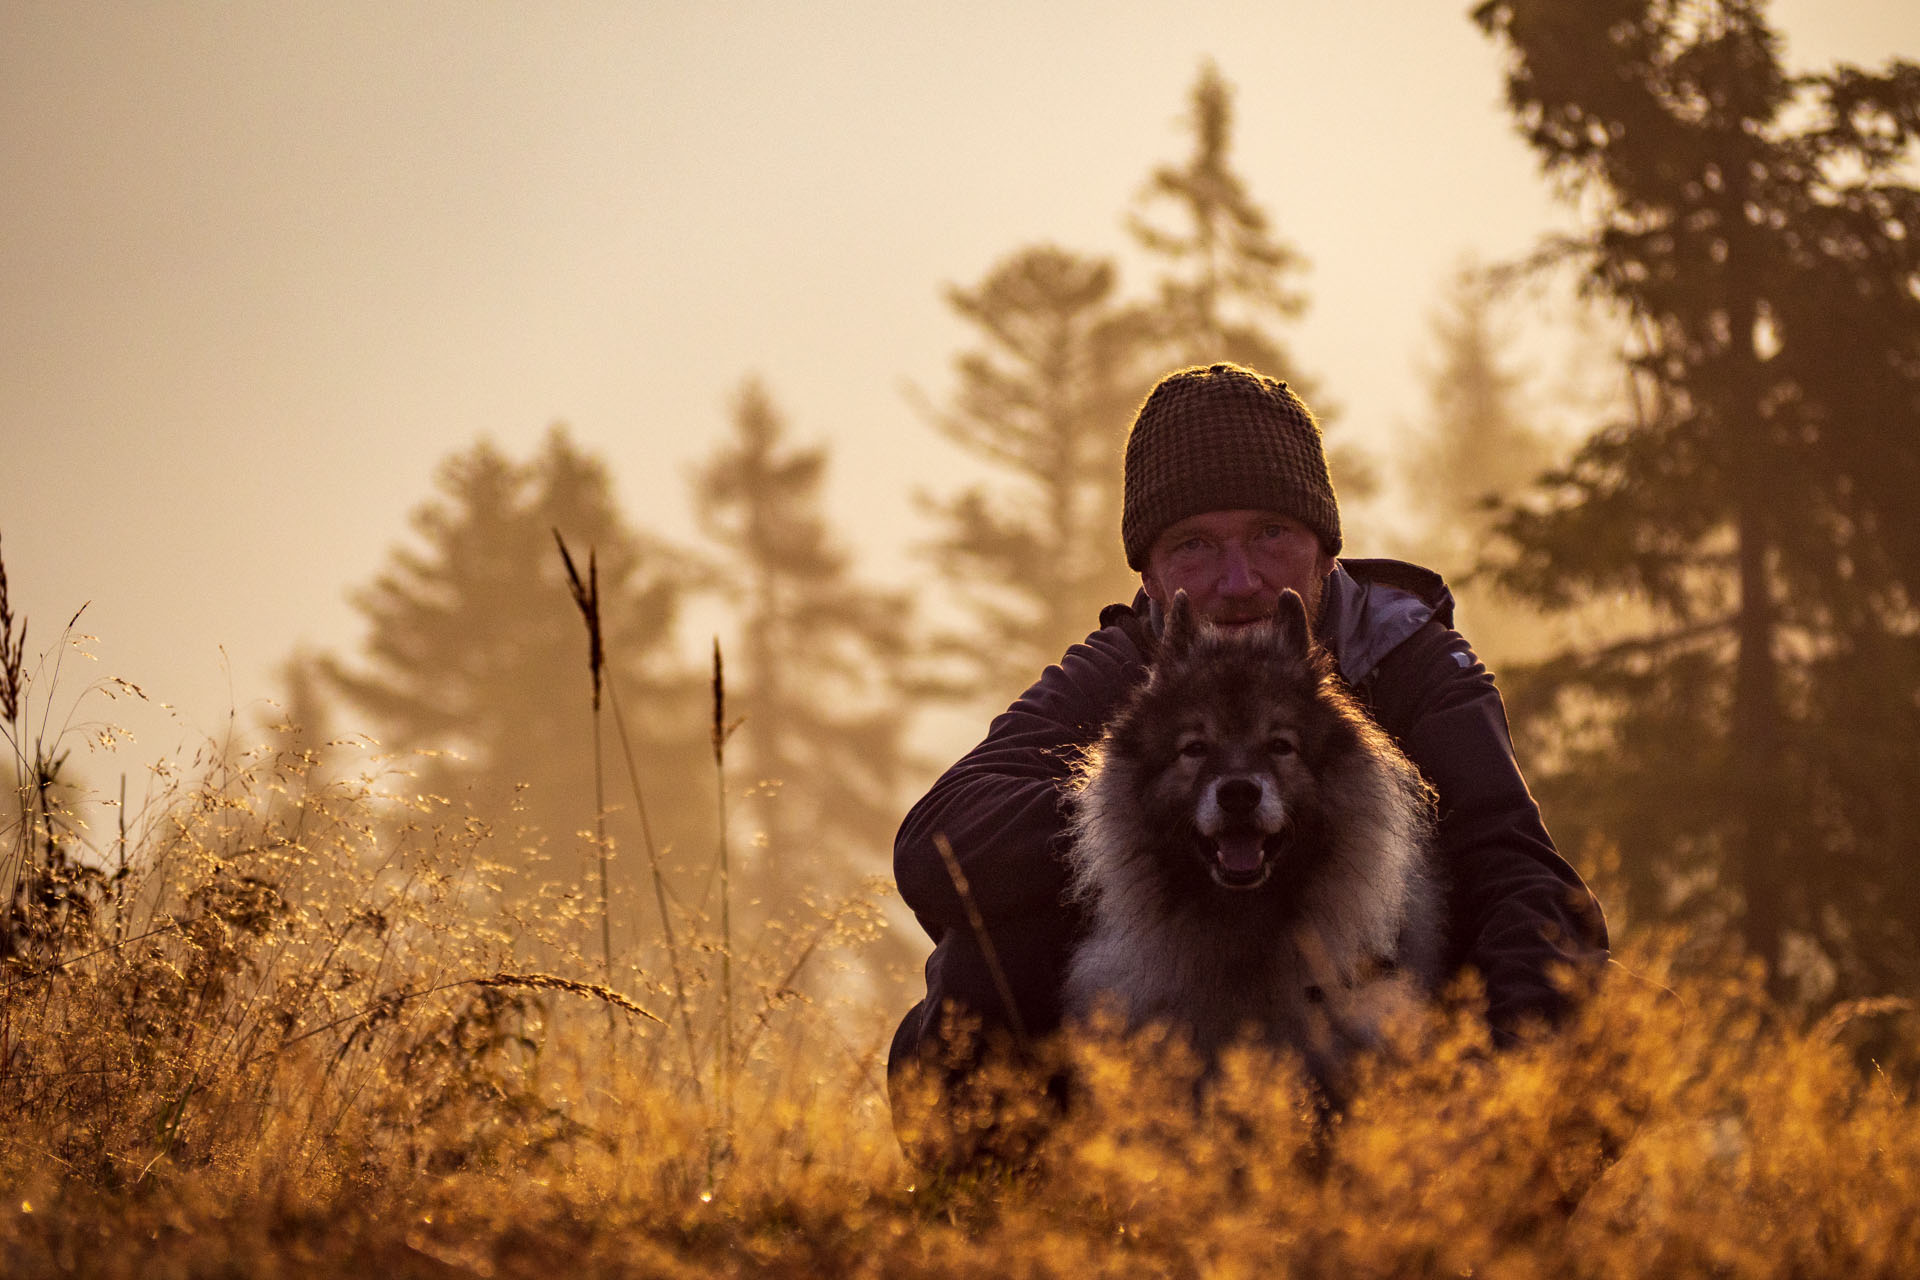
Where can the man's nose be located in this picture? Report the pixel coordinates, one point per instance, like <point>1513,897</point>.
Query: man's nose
<point>1237,575</point>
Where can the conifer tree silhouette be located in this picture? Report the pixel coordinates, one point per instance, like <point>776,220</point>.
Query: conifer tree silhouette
<point>473,653</point>
<point>1761,231</point>
<point>815,677</point>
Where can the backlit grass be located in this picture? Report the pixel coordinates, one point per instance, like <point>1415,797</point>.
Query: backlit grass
<point>314,1027</point>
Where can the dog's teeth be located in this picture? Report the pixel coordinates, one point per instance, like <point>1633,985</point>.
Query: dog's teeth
<point>1240,854</point>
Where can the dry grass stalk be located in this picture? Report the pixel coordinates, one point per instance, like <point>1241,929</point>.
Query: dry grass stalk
<point>12,656</point>
<point>718,738</point>
<point>393,1000</point>
<point>1841,1016</point>
<point>979,926</point>
<point>554,982</point>
<point>676,962</point>
<point>586,595</point>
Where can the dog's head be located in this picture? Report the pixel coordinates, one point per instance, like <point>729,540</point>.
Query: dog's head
<point>1227,745</point>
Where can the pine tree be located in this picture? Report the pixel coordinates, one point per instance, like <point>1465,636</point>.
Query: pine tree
<point>474,653</point>
<point>1480,444</point>
<point>1226,280</point>
<point>303,724</point>
<point>1226,276</point>
<point>1046,398</point>
<point>815,677</point>
<point>1756,228</point>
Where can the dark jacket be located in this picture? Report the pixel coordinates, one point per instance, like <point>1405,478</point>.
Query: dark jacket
<point>1517,911</point>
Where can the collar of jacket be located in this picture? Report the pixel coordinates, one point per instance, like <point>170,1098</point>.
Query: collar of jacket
<point>1367,608</point>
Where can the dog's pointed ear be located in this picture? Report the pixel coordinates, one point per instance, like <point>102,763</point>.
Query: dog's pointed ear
<point>1291,625</point>
<point>1176,637</point>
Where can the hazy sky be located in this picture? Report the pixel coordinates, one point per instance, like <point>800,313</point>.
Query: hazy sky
<point>263,265</point>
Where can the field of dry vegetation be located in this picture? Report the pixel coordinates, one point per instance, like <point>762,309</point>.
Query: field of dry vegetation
<point>291,1024</point>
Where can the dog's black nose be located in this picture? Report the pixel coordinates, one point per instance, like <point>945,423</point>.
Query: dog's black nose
<point>1238,796</point>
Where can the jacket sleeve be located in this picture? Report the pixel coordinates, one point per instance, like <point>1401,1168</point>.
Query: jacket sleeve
<point>1519,913</point>
<point>1000,805</point>
<point>1001,809</point>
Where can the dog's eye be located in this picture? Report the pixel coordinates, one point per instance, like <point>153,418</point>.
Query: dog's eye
<point>1194,747</point>
<point>1279,747</point>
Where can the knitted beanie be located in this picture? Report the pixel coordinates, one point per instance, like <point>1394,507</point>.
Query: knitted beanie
<point>1223,438</point>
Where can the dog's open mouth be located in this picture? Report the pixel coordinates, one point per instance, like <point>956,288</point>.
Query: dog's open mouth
<point>1240,859</point>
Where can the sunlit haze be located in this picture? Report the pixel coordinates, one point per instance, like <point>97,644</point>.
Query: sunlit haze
<point>262,267</point>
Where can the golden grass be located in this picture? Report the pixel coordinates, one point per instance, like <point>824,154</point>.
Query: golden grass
<point>1641,1143</point>
<point>305,1055</point>
<point>310,1032</point>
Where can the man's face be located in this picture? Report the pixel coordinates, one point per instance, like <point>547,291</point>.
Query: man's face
<point>1233,565</point>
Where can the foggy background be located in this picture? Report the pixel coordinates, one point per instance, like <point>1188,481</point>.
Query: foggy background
<point>261,267</point>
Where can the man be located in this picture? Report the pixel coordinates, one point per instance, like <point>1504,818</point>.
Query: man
<point>1227,498</point>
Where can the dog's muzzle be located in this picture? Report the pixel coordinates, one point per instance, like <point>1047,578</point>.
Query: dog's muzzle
<point>1240,833</point>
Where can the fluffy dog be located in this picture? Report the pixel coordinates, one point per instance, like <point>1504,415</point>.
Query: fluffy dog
<point>1252,849</point>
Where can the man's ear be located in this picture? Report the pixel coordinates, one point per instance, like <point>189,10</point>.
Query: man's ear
<point>1176,637</point>
<point>1151,586</point>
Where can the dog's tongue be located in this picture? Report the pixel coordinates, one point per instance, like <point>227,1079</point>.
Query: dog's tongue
<point>1239,852</point>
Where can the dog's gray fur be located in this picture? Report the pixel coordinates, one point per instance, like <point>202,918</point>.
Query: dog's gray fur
<point>1337,926</point>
